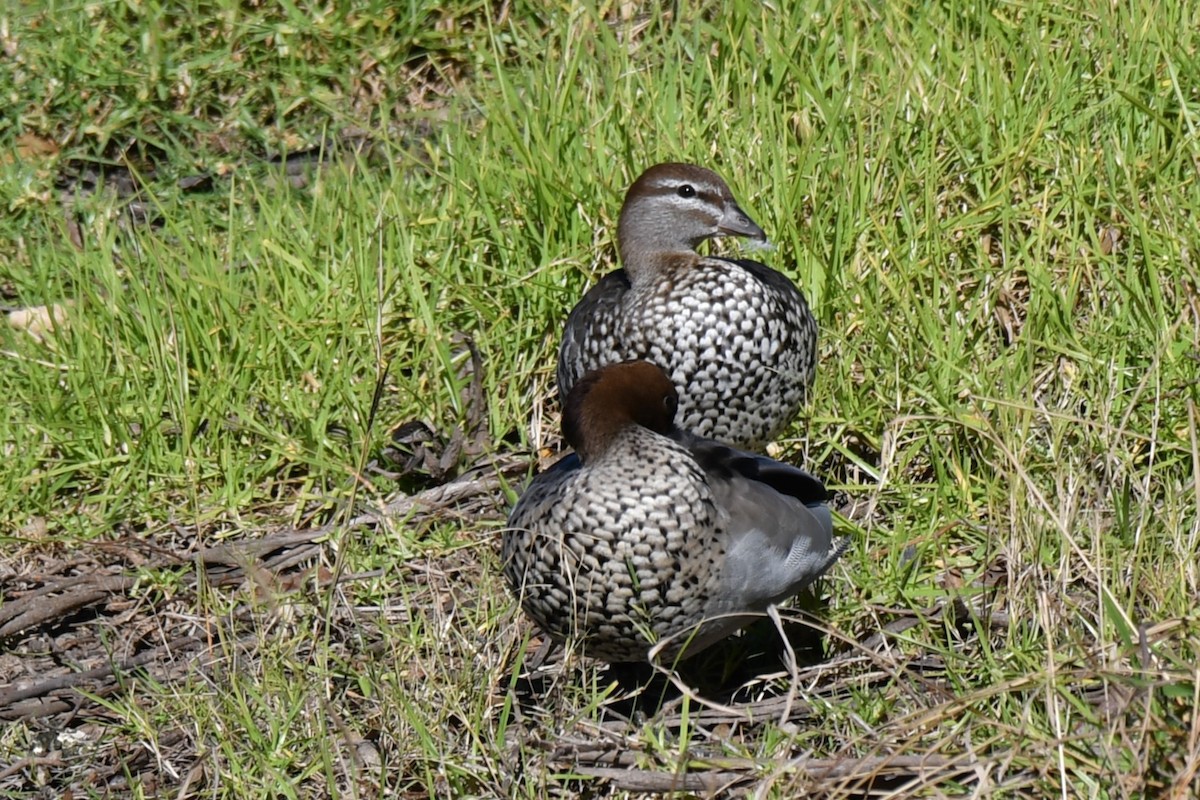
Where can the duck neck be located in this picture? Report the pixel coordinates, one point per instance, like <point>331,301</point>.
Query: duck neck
<point>652,267</point>
<point>650,251</point>
<point>628,445</point>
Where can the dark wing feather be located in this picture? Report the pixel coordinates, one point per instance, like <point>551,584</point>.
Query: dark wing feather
<point>567,463</point>
<point>603,299</point>
<point>721,460</point>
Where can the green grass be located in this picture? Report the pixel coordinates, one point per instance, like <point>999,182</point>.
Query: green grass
<point>1007,400</point>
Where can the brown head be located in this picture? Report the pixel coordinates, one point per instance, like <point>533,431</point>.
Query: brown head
<point>607,400</point>
<point>670,209</point>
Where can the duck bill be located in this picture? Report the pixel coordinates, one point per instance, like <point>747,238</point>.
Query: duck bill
<point>735,222</point>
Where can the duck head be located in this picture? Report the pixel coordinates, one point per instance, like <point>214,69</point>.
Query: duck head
<point>670,209</point>
<point>607,400</point>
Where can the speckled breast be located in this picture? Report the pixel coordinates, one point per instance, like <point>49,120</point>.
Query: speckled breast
<point>740,352</point>
<point>615,559</point>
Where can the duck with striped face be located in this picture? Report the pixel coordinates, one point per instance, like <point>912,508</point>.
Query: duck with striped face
<point>735,337</point>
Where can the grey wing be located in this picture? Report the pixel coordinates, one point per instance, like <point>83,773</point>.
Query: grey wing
<point>776,547</point>
<point>602,301</point>
<point>779,528</point>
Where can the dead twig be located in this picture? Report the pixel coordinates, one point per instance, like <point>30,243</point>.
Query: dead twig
<point>11,695</point>
<point>619,768</point>
<point>644,780</point>
<point>58,599</point>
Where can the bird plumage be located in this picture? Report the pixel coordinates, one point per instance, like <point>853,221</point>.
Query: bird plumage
<point>736,337</point>
<point>649,532</point>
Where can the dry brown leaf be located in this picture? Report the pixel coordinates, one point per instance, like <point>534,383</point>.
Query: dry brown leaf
<point>39,321</point>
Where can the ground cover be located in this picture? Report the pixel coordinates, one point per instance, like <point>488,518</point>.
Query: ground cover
<point>283,285</point>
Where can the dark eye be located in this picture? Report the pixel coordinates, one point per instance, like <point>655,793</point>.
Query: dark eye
<point>687,190</point>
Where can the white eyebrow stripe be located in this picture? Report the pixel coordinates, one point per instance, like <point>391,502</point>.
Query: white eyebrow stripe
<point>705,193</point>
<point>674,183</point>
